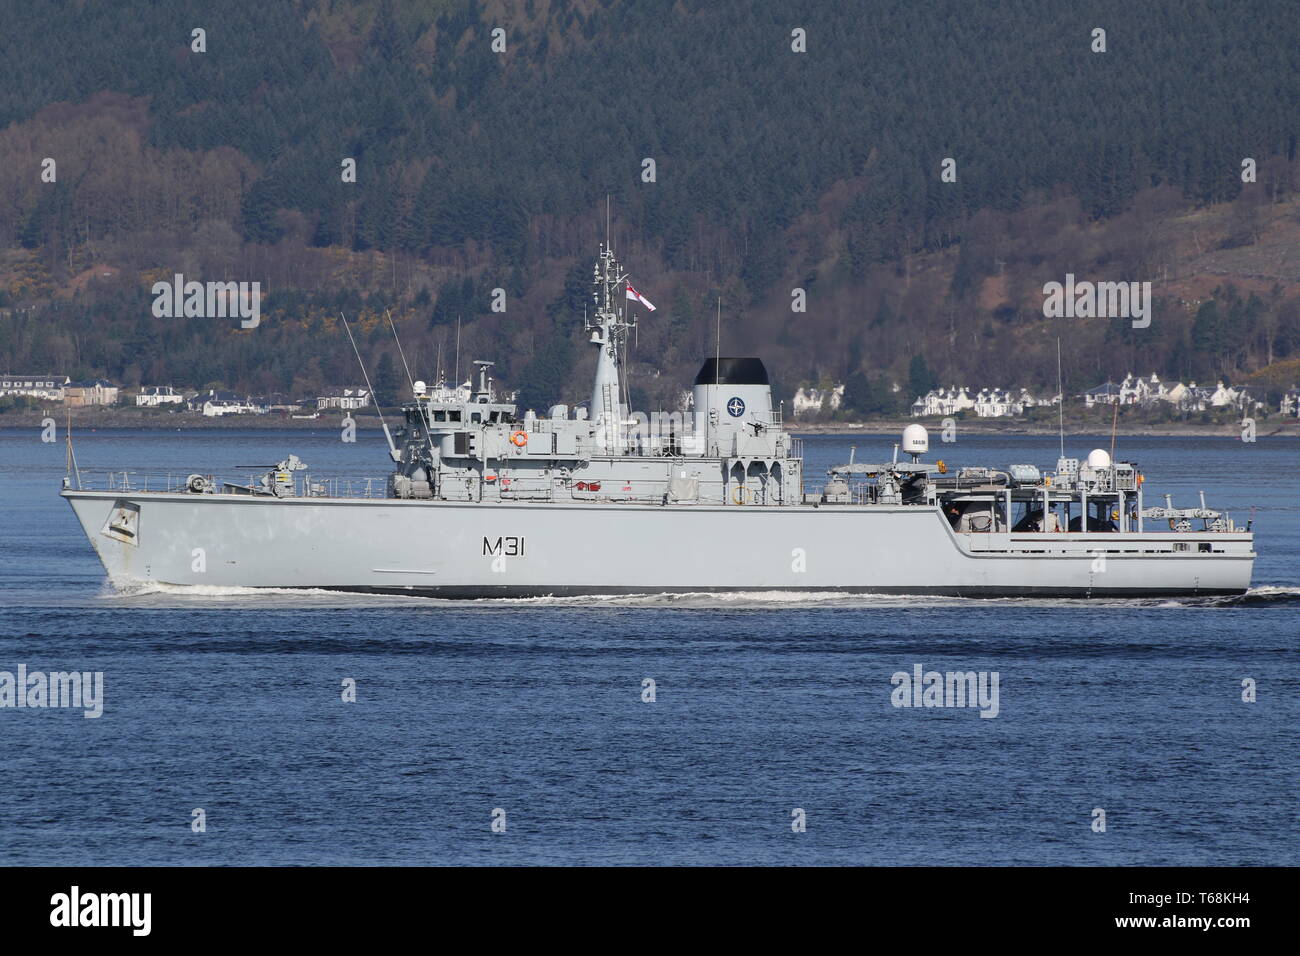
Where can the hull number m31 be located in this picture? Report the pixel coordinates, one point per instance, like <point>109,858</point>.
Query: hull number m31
<point>509,547</point>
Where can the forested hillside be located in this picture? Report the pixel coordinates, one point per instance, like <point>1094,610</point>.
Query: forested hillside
<point>773,170</point>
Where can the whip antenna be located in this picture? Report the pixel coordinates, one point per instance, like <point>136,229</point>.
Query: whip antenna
<point>458,351</point>
<point>1060,398</point>
<point>401,354</point>
<point>419,399</point>
<point>717,354</point>
<point>392,448</point>
<point>72,455</point>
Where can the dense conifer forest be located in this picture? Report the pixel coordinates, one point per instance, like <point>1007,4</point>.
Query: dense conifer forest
<point>774,169</point>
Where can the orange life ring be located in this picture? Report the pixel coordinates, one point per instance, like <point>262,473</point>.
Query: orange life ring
<point>519,439</point>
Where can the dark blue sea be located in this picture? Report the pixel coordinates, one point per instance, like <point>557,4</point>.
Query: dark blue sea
<point>231,702</point>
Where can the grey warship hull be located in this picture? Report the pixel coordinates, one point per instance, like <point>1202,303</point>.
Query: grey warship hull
<point>484,501</point>
<point>530,549</point>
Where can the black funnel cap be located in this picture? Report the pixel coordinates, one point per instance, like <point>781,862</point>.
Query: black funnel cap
<point>732,371</point>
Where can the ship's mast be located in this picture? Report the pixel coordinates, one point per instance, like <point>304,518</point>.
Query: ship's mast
<point>608,326</point>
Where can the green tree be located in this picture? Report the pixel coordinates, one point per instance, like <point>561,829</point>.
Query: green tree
<point>864,395</point>
<point>388,383</point>
<point>541,384</point>
<point>920,379</point>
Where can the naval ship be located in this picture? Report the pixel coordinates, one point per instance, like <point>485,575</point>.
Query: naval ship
<point>485,502</point>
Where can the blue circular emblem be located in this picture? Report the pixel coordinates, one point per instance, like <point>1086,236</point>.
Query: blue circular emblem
<point>735,407</point>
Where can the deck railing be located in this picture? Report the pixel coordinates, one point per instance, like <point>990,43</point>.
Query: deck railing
<point>305,486</point>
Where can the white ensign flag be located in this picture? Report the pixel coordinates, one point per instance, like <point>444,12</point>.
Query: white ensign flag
<point>636,296</point>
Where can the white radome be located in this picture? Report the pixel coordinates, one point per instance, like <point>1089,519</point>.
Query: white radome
<point>916,440</point>
<point>419,388</point>
<point>1098,458</point>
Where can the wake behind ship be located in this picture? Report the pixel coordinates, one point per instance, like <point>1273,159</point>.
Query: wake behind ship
<point>483,502</point>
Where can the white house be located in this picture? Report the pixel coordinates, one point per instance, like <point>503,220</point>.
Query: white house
<point>1175,394</point>
<point>987,402</point>
<point>48,387</point>
<point>1135,390</point>
<point>1222,396</point>
<point>215,403</point>
<point>1142,391</point>
<point>344,398</point>
<point>1290,404</point>
<point>1195,398</point>
<point>95,391</point>
<point>1146,392</point>
<point>1107,393</point>
<point>996,403</point>
<point>1029,401</point>
<point>151,396</point>
<point>216,407</point>
<point>1239,397</point>
<point>1201,398</point>
<point>813,400</point>
<point>943,401</point>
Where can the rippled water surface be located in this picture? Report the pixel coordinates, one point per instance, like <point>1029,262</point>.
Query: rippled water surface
<point>229,700</point>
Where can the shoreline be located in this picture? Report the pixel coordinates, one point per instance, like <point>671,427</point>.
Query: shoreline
<point>1282,428</point>
<point>84,420</point>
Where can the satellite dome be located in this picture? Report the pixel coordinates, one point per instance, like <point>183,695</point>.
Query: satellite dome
<point>916,440</point>
<point>1098,458</point>
<point>419,388</point>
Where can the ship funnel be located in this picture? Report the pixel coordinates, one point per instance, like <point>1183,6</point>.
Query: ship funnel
<point>735,389</point>
<point>731,397</point>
